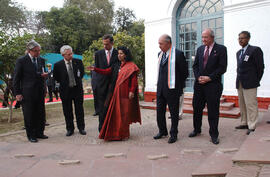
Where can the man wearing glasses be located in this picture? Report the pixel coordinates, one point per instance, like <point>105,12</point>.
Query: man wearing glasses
<point>29,87</point>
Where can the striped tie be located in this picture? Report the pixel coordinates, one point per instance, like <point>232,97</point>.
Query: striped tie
<point>163,59</point>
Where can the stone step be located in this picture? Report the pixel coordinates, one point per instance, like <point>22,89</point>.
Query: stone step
<point>190,96</point>
<point>256,148</point>
<point>232,113</point>
<point>250,170</point>
<point>218,164</point>
<point>223,105</point>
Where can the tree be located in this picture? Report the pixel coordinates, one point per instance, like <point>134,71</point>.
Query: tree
<point>124,18</point>
<point>10,49</point>
<point>137,28</point>
<point>12,17</point>
<point>134,43</point>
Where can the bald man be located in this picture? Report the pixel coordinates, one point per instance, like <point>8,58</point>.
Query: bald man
<point>173,71</point>
<point>209,66</point>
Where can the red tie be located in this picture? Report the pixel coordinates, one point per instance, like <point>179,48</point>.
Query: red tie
<point>205,57</point>
<point>108,57</point>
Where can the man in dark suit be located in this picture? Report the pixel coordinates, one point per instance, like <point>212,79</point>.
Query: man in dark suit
<point>250,67</point>
<point>51,84</point>
<point>29,87</point>
<point>173,65</point>
<point>209,66</point>
<point>104,58</point>
<point>69,73</point>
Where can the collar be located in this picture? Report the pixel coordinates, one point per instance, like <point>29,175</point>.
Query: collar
<point>66,62</point>
<point>245,48</point>
<point>30,56</point>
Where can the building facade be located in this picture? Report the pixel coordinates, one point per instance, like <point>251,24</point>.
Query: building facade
<point>185,20</point>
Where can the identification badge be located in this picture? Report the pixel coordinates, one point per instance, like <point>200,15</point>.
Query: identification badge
<point>246,58</point>
<point>79,73</point>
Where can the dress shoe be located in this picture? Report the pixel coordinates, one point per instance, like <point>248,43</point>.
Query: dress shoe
<point>33,140</point>
<point>69,133</point>
<point>215,140</point>
<point>241,127</point>
<point>250,130</point>
<point>172,139</point>
<point>268,121</point>
<point>46,124</point>
<point>193,134</point>
<point>160,135</point>
<point>42,136</point>
<point>82,132</point>
<point>95,114</point>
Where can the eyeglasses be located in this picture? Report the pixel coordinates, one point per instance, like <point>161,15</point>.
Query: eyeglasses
<point>35,50</point>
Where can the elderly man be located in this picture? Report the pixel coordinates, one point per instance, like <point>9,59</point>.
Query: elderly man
<point>209,66</point>
<point>250,67</point>
<point>69,73</point>
<point>29,88</point>
<point>173,65</point>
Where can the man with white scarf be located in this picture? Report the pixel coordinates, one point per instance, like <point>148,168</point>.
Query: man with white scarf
<point>172,74</point>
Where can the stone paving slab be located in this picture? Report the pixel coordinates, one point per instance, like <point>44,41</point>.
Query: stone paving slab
<point>256,148</point>
<point>265,171</point>
<point>244,171</point>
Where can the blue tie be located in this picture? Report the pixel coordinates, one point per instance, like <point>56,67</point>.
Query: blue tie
<point>163,59</point>
<point>241,54</point>
<point>35,62</point>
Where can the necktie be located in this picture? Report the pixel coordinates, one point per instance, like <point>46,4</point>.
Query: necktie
<point>241,54</point>
<point>35,62</point>
<point>163,59</point>
<point>71,77</point>
<point>205,57</point>
<point>108,56</point>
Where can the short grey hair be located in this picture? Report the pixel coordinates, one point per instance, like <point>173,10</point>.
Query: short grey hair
<point>32,44</point>
<point>167,38</point>
<point>64,48</point>
<point>212,34</point>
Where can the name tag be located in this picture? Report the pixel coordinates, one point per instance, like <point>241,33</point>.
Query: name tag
<point>246,58</point>
<point>79,73</point>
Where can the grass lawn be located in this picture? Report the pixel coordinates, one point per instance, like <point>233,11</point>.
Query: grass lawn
<point>54,114</point>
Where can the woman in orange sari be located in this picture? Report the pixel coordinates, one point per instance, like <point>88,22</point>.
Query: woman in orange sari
<point>124,103</point>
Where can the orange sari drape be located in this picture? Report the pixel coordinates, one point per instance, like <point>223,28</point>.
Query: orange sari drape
<point>122,111</point>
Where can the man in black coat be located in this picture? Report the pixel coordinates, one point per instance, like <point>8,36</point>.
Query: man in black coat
<point>29,88</point>
<point>169,91</point>
<point>250,67</point>
<point>50,82</point>
<point>104,58</point>
<point>209,66</point>
<point>69,73</point>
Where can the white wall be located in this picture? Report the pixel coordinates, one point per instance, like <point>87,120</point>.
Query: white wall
<point>253,17</point>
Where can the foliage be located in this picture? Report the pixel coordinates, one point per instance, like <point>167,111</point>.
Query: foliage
<point>12,17</point>
<point>134,43</point>
<point>124,18</point>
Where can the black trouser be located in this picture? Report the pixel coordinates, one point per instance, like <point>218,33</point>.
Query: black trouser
<point>173,104</point>
<point>209,94</point>
<point>34,116</point>
<point>102,109</point>
<point>96,104</point>
<point>51,90</point>
<point>75,95</point>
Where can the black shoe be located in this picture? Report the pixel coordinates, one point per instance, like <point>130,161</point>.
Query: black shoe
<point>215,140</point>
<point>241,127</point>
<point>69,133</point>
<point>82,132</point>
<point>33,140</point>
<point>47,124</point>
<point>172,139</point>
<point>268,121</point>
<point>42,136</point>
<point>160,135</point>
<point>95,114</point>
<point>249,131</point>
<point>193,134</point>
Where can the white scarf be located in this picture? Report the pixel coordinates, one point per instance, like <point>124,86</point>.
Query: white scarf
<point>171,67</point>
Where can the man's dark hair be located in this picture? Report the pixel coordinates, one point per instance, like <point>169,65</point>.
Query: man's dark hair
<point>108,36</point>
<point>246,33</point>
<point>126,51</point>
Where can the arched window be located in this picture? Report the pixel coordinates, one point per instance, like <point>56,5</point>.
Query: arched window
<point>193,16</point>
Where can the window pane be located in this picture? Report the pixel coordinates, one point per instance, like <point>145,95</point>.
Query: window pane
<point>194,27</point>
<point>212,23</point>
<point>204,24</point>
<point>188,28</point>
<point>219,33</point>
<point>219,22</point>
<point>187,37</point>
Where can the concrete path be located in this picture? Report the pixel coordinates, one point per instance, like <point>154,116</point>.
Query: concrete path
<point>183,157</point>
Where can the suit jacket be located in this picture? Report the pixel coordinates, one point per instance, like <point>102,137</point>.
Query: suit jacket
<point>250,67</point>
<point>216,64</point>
<point>61,75</point>
<point>101,62</point>
<point>27,78</point>
<point>181,73</point>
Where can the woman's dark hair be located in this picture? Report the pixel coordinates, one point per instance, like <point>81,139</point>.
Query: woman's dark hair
<point>126,51</point>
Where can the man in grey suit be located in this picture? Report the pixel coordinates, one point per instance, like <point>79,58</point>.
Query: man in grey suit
<point>29,88</point>
<point>250,67</point>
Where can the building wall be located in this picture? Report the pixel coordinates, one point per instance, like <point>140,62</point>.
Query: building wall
<point>239,15</point>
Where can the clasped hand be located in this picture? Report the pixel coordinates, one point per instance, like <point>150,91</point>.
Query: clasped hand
<point>204,79</point>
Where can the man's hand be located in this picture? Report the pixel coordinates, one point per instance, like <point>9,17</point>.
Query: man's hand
<point>204,79</point>
<point>90,68</point>
<point>19,97</point>
<point>131,95</point>
<point>44,75</point>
